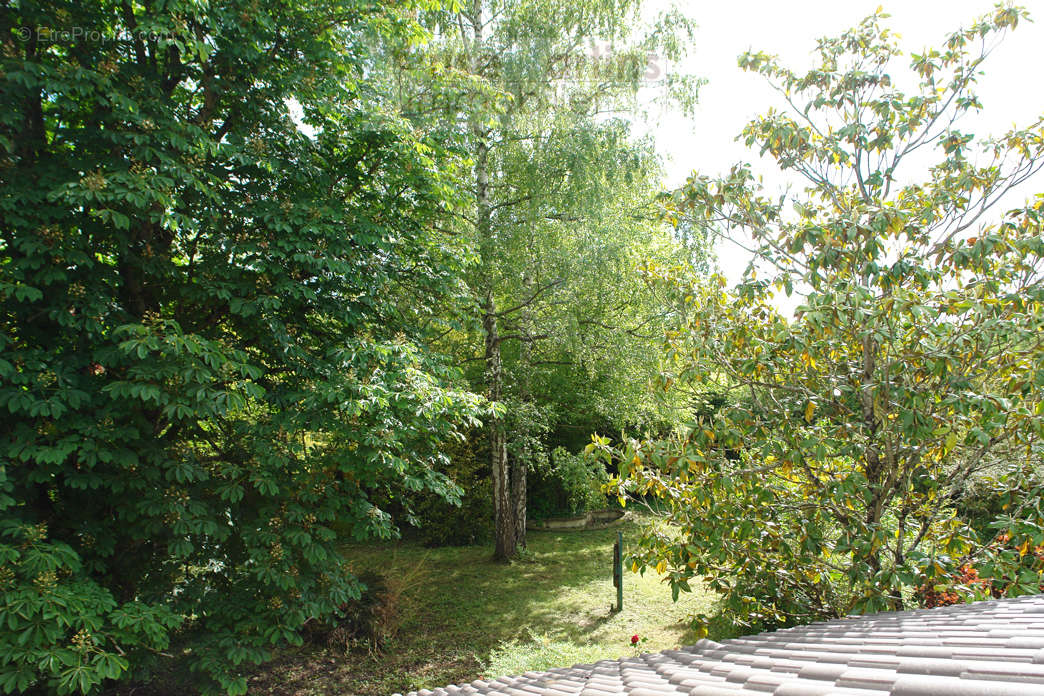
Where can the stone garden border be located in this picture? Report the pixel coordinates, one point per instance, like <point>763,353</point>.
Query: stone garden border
<point>593,519</point>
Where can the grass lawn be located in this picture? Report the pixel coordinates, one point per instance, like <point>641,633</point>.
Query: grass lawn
<point>464,616</point>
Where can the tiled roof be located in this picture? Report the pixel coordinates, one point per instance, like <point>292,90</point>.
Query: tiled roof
<point>991,648</point>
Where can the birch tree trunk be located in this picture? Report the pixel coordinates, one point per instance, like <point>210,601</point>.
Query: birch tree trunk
<point>532,173</point>
<point>505,505</point>
<point>504,511</point>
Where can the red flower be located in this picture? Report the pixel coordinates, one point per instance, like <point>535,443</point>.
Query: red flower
<point>634,639</point>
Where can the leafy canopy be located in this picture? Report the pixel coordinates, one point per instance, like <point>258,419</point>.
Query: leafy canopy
<point>211,327</point>
<point>560,213</point>
<point>830,477</point>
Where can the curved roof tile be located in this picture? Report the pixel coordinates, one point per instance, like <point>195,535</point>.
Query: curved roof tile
<point>990,648</point>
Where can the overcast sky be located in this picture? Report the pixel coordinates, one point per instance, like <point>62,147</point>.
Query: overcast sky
<point>1011,90</point>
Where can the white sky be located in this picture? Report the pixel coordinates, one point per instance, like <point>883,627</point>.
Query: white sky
<point>1012,90</point>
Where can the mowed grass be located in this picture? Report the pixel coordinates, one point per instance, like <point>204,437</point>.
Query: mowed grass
<point>463,617</point>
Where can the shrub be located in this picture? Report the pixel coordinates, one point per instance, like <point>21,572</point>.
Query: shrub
<point>944,594</point>
<point>570,484</point>
<point>440,522</point>
<point>1025,562</point>
<point>369,621</point>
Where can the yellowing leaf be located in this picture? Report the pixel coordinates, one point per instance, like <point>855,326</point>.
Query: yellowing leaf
<point>810,409</point>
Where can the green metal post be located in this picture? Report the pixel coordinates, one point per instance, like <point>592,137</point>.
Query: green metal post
<point>618,571</point>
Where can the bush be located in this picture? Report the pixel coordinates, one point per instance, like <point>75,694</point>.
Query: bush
<point>967,578</point>
<point>439,522</point>
<point>569,485</point>
<point>443,524</point>
<point>369,621</point>
<point>987,579</point>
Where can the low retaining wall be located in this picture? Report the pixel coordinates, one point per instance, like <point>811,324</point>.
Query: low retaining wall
<point>595,519</point>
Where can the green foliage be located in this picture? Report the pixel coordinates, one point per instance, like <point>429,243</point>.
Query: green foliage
<point>60,625</point>
<point>569,484</point>
<point>559,213</point>
<point>527,421</point>
<point>911,368</point>
<point>370,621</point>
<point>440,522</point>
<point>211,327</point>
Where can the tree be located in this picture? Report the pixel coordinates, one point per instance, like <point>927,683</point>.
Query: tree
<point>208,320</point>
<point>558,203</point>
<point>829,479</point>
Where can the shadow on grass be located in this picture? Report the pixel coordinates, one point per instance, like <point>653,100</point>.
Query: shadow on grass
<point>459,604</point>
<point>485,603</point>
<point>456,605</point>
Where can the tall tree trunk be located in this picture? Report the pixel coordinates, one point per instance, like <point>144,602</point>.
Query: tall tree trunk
<point>503,510</point>
<point>509,482</point>
<point>519,467</point>
<point>518,498</point>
